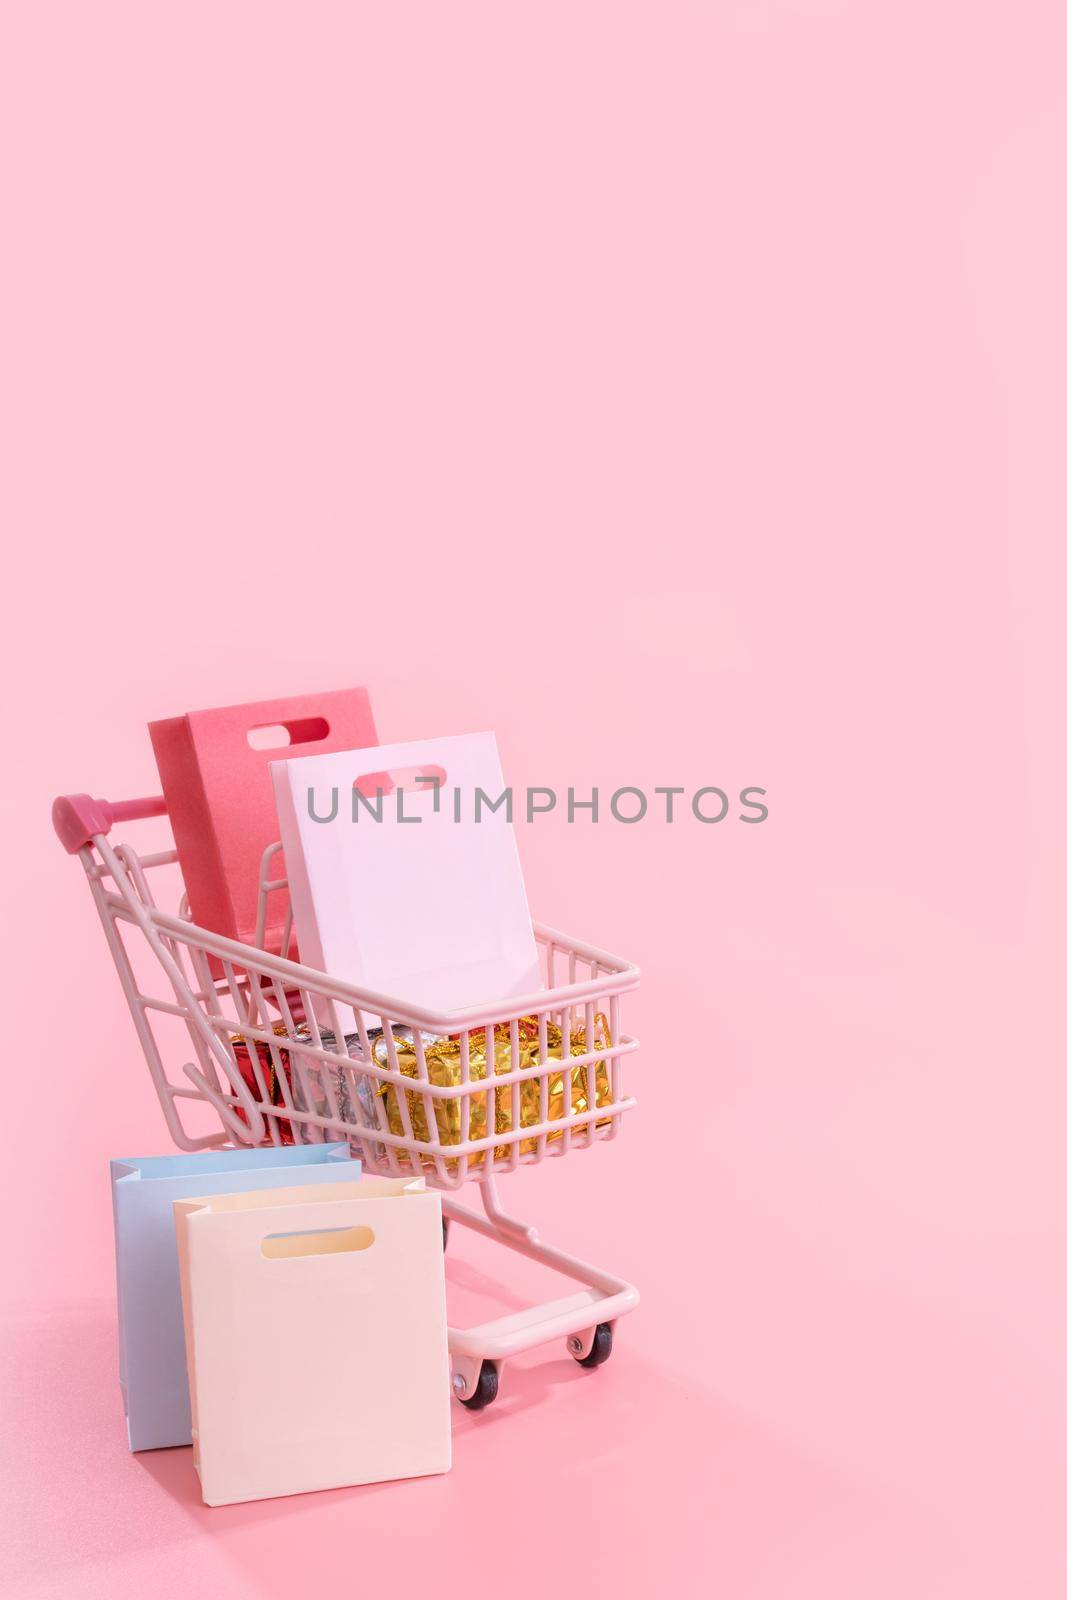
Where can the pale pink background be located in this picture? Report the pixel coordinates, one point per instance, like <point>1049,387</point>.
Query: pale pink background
<point>678,389</point>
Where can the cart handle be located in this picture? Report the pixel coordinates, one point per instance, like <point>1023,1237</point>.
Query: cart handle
<point>78,818</point>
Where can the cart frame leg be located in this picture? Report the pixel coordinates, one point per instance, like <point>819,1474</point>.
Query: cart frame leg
<point>603,1297</point>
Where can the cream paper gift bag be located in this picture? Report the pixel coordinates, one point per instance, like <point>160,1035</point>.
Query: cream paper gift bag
<point>316,1337</point>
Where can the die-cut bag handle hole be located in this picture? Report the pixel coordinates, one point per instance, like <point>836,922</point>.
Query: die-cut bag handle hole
<point>276,735</point>
<point>317,1242</point>
<point>405,778</point>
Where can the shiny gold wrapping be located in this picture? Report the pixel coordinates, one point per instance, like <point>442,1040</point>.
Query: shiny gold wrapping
<point>443,1068</point>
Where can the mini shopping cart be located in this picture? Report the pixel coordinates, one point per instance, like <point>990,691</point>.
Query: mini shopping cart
<point>276,1060</point>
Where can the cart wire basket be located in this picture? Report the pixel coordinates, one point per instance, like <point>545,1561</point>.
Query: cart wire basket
<point>280,1053</point>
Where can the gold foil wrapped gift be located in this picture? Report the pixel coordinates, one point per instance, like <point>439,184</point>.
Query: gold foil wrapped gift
<point>444,1070</point>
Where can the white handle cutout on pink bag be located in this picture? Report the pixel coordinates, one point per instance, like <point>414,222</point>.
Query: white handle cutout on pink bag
<point>317,1242</point>
<point>276,735</point>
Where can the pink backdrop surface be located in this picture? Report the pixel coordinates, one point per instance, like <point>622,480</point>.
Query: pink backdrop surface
<point>679,390</point>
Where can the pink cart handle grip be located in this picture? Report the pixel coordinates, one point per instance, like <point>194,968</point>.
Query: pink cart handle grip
<point>78,818</point>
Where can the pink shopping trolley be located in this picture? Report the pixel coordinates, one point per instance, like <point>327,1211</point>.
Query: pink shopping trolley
<point>283,1053</point>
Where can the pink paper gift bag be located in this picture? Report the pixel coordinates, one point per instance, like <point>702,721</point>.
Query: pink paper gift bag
<point>219,797</point>
<point>316,1337</point>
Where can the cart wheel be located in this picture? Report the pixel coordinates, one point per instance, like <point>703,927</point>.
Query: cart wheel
<point>444,1233</point>
<point>599,1350</point>
<point>485,1390</point>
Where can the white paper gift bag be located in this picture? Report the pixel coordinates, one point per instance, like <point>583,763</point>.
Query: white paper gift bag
<point>316,1337</point>
<point>418,893</point>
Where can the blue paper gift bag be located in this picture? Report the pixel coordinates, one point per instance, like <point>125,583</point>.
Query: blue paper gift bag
<point>152,1371</point>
